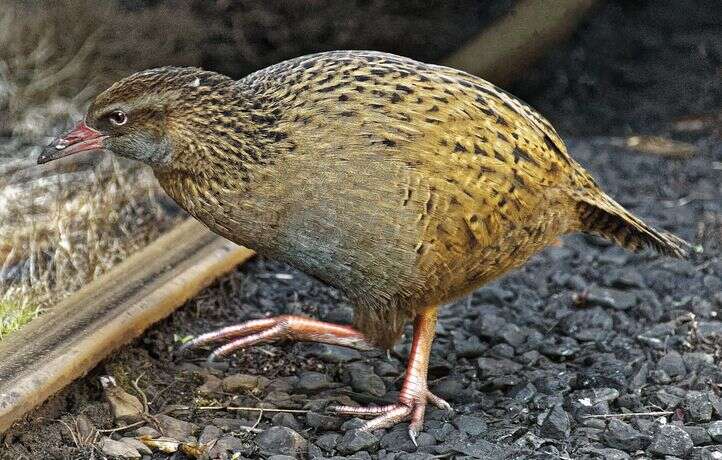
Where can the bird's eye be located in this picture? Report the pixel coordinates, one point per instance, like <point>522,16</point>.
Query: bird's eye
<point>118,117</point>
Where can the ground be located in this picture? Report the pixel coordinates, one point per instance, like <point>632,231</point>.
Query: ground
<point>552,361</point>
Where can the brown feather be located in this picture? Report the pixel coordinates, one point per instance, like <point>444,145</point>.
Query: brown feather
<point>402,183</point>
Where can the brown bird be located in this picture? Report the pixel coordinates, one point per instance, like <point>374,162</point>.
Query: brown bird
<point>405,185</point>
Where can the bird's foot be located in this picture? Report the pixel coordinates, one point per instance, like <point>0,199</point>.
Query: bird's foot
<point>286,327</point>
<point>409,407</point>
<point>415,394</point>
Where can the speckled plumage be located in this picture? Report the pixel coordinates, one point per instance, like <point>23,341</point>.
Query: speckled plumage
<point>404,184</point>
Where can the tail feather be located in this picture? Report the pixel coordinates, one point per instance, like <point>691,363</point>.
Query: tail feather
<point>603,216</point>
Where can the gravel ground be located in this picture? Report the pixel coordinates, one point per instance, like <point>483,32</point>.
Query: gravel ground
<point>552,361</point>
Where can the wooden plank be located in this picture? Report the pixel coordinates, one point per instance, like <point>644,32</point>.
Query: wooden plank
<point>78,333</point>
<point>501,52</point>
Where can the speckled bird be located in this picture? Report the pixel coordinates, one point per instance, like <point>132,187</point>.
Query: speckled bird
<point>406,185</point>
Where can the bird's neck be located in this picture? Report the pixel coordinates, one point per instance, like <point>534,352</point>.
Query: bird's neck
<point>223,144</point>
<point>233,130</point>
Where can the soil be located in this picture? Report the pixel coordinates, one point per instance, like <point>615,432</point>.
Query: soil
<point>236,38</point>
<point>552,361</point>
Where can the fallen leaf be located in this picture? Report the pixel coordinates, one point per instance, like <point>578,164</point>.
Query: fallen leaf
<point>163,444</point>
<point>125,407</point>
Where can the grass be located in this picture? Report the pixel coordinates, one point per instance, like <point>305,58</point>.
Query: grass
<point>15,314</point>
<point>64,224</point>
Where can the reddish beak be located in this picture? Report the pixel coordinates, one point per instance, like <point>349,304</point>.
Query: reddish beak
<point>81,138</point>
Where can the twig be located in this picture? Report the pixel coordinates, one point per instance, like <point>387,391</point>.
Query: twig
<point>72,433</point>
<point>250,429</point>
<point>121,428</point>
<point>141,393</point>
<point>258,420</point>
<point>253,429</point>
<point>160,393</point>
<point>262,409</point>
<point>633,414</point>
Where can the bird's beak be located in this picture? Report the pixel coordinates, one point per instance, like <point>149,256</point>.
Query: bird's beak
<point>81,138</point>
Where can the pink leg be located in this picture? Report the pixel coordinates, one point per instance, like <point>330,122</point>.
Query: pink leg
<point>286,327</point>
<point>414,392</point>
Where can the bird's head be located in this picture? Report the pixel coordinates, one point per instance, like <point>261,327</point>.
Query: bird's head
<point>142,116</point>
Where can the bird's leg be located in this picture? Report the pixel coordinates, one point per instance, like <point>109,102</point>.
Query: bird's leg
<point>286,327</point>
<point>414,392</point>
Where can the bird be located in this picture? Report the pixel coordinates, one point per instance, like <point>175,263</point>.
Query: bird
<point>405,185</point>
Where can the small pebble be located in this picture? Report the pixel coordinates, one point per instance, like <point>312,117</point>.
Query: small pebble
<point>557,423</point>
<point>119,449</point>
<point>698,434</point>
<point>209,434</point>
<point>621,435</point>
<point>715,430</point>
<point>698,406</point>
<point>673,364</point>
<point>470,425</point>
<point>281,440</point>
<point>332,353</point>
<point>226,444</point>
<point>239,383</point>
<point>671,440</point>
<point>364,380</point>
<point>174,428</point>
<point>611,298</point>
<point>323,422</point>
<point>312,382</point>
<point>328,441</point>
<point>356,440</point>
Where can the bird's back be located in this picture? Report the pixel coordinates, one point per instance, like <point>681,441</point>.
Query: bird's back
<point>408,184</point>
<point>474,176</point>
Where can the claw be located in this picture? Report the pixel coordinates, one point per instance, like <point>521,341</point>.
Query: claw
<point>412,435</point>
<point>438,402</point>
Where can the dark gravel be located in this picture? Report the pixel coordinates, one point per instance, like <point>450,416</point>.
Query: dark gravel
<point>586,352</point>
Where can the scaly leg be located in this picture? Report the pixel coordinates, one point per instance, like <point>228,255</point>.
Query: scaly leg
<point>414,392</point>
<point>286,327</point>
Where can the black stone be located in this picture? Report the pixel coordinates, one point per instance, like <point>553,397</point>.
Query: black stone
<point>323,422</point>
<point>698,406</point>
<point>611,298</point>
<point>281,440</point>
<point>621,435</point>
<point>671,440</point>
<point>470,425</point>
<point>556,424</point>
<point>327,442</point>
<point>356,440</point>
<point>313,381</point>
<point>673,364</point>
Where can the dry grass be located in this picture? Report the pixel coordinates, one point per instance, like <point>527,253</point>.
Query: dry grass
<point>63,225</point>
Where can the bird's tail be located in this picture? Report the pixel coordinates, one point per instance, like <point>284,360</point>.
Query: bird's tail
<point>601,215</point>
